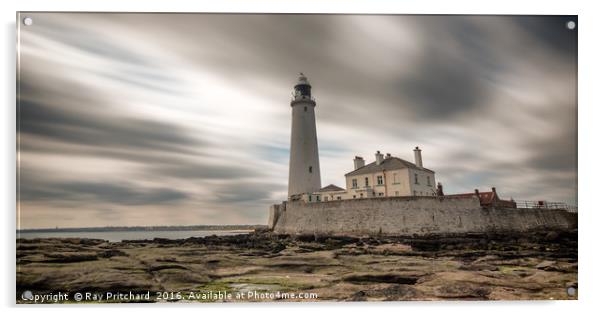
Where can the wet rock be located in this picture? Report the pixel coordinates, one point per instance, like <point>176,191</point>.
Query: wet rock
<point>277,247</point>
<point>112,253</point>
<point>462,291</point>
<point>552,236</point>
<point>381,278</point>
<point>70,257</point>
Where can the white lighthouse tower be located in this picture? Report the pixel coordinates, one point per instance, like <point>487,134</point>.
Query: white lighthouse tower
<point>304,166</point>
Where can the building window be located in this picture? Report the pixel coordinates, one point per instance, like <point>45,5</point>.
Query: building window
<point>395,180</point>
<point>354,184</point>
<point>414,192</point>
<point>379,180</point>
<point>325,199</point>
<point>354,196</point>
<point>305,108</point>
<point>310,169</point>
<point>380,194</point>
<point>318,198</point>
<point>310,198</point>
<point>428,181</point>
<point>338,197</point>
<point>361,195</point>
<point>366,181</point>
<point>416,178</point>
<point>396,193</point>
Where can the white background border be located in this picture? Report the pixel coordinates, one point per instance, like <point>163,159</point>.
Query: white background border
<point>590,52</point>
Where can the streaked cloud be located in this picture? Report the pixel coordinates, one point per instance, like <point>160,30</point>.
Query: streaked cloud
<point>142,119</point>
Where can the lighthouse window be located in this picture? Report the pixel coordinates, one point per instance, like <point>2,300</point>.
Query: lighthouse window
<point>310,169</point>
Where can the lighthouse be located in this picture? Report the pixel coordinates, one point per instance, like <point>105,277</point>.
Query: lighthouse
<point>304,164</point>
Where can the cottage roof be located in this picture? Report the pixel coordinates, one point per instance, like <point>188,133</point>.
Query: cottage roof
<point>331,187</point>
<point>390,163</point>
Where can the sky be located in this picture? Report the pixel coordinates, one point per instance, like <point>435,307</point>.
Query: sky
<point>184,119</point>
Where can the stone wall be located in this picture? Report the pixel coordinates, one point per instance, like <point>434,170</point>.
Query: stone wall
<point>409,216</point>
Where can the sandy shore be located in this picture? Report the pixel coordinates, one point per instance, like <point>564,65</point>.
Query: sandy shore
<point>265,267</point>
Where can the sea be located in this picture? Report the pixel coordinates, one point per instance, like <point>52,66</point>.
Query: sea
<point>117,236</point>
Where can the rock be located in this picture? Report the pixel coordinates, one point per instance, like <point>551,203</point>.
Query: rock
<point>551,236</point>
<point>399,292</point>
<point>278,247</point>
<point>168,259</point>
<point>385,268</point>
<point>381,278</point>
<point>70,257</point>
<point>159,267</point>
<point>390,249</point>
<point>112,253</point>
<point>545,264</point>
<point>358,296</point>
<point>462,291</point>
<point>391,293</point>
<point>478,267</point>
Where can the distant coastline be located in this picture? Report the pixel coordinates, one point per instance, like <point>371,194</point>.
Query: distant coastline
<point>142,228</point>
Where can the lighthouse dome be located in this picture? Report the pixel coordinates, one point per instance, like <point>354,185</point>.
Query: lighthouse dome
<point>302,79</point>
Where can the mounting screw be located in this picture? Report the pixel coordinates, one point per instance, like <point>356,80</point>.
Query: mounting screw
<point>571,291</point>
<point>571,25</point>
<point>27,21</point>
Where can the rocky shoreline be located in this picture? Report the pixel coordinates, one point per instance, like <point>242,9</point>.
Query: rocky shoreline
<point>536,265</point>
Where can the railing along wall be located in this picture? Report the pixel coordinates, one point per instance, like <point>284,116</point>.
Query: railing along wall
<point>546,205</point>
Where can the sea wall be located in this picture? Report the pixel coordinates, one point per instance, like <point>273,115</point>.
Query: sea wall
<point>410,216</point>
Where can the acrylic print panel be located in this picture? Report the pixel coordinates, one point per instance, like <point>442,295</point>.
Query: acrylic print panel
<point>275,158</point>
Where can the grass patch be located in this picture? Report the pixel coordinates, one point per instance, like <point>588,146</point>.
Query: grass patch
<point>215,286</point>
<point>508,269</point>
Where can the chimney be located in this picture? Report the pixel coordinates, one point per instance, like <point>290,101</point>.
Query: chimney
<point>358,162</point>
<point>418,157</point>
<point>388,155</point>
<point>476,191</point>
<point>379,157</point>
